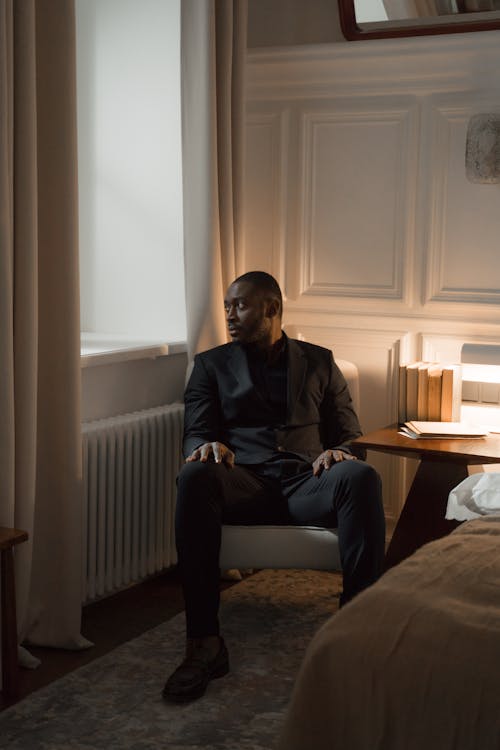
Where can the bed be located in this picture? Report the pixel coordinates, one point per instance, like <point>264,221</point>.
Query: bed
<point>413,663</point>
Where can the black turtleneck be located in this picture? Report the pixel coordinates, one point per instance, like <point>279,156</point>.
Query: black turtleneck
<point>268,371</point>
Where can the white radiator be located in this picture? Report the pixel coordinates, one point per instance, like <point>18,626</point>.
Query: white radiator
<point>130,464</point>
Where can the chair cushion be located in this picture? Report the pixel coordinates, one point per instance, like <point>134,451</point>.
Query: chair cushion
<point>303,547</point>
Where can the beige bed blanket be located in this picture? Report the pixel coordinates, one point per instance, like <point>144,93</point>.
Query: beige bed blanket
<point>413,663</point>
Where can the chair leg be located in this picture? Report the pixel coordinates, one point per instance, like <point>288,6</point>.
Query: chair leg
<point>10,666</point>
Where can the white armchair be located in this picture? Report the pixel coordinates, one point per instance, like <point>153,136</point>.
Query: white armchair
<point>305,547</point>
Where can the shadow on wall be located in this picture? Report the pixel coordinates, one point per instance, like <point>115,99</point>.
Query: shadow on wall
<point>277,23</point>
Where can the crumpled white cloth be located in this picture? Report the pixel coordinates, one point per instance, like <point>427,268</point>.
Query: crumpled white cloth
<point>476,496</point>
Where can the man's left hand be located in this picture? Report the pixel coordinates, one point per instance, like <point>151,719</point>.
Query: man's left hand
<point>328,458</point>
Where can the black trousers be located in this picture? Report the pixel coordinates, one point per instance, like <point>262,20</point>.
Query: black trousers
<point>347,496</point>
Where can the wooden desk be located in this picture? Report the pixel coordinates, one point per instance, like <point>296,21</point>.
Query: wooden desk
<point>443,465</point>
<point>10,668</point>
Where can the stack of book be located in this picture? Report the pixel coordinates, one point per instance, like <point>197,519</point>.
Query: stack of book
<point>415,429</point>
<point>429,391</point>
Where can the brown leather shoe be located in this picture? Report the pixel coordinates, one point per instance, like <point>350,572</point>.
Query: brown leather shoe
<point>190,679</point>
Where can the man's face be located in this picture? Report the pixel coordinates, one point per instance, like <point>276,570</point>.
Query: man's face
<point>245,307</point>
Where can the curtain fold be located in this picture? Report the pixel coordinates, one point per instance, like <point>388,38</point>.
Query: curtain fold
<point>213,49</point>
<point>40,442</point>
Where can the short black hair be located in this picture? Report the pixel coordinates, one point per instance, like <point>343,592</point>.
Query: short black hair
<point>265,282</point>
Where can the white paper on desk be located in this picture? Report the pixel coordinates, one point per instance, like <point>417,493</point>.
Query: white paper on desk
<point>476,496</point>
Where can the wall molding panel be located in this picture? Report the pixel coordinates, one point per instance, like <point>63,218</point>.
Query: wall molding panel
<point>419,65</point>
<point>434,254</point>
<point>463,220</point>
<point>344,154</point>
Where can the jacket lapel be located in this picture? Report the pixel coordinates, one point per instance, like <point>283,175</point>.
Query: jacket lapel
<point>297,367</point>
<point>239,367</point>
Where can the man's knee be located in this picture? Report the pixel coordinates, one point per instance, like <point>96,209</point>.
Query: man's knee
<point>199,474</point>
<point>364,476</point>
<point>199,484</point>
<point>355,472</point>
<point>359,481</point>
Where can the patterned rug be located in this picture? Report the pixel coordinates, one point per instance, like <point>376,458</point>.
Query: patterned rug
<point>114,703</point>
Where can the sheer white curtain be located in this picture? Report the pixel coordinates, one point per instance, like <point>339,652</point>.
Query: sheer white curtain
<point>40,443</point>
<point>213,48</point>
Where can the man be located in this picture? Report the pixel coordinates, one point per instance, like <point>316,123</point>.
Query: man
<point>268,425</point>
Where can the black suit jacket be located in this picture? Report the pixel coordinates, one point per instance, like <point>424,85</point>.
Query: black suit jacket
<point>221,403</point>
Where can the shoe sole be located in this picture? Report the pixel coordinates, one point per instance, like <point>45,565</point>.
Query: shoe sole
<point>220,671</point>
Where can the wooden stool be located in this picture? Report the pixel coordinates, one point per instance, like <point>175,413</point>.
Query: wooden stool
<point>10,667</point>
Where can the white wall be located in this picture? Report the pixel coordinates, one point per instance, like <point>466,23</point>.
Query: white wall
<point>129,122</point>
<point>357,200</point>
<point>124,387</point>
<point>288,22</point>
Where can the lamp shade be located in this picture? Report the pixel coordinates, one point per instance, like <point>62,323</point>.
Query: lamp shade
<point>481,354</point>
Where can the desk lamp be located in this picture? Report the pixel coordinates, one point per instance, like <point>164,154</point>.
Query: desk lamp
<point>481,383</point>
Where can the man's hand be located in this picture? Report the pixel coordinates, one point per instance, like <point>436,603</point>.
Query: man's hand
<point>215,451</point>
<point>329,457</point>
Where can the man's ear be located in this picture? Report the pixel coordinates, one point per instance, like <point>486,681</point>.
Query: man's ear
<point>273,308</point>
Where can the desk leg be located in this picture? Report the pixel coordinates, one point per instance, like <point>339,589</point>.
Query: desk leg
<point>10,667</point>
<point>422,518</point>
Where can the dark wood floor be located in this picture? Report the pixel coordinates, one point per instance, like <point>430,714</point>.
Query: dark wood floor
<point>107,624</point>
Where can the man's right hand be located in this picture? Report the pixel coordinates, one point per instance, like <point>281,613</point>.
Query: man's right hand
<point>215,451</point>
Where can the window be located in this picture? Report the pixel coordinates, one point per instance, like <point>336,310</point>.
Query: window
<point>130,168</point>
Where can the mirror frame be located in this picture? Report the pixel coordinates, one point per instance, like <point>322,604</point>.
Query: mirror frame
<point>353,32</point>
